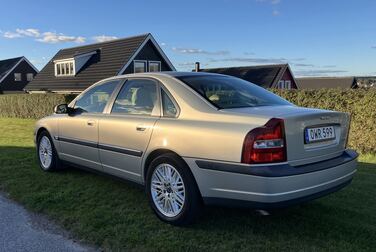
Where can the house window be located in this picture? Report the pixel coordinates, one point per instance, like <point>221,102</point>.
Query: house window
<point>140,66</point>
<point>281,84</point>
<point>29,76</point>
<point>17,77</point>
<point>154,66</point>
<point>65,68</point>
<point>288,84</point>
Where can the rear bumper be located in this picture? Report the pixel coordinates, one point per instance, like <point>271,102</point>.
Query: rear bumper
<point>271,186</point>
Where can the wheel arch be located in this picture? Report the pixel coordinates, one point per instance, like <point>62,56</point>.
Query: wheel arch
<point>152,155</point>
<point>156,153</point>
<point>40,130</point>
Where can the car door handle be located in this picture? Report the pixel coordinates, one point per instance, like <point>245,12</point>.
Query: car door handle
<point>90,123</point>
<point>141,128</point>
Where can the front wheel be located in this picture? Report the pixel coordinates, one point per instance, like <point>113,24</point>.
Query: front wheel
<point>47,155</point>
<point>172,190</point>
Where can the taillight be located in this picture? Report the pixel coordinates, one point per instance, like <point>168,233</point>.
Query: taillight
<point>265,144</point>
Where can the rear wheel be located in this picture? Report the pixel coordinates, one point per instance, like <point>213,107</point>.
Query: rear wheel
<point>172,190</point>
<point>47,156</point>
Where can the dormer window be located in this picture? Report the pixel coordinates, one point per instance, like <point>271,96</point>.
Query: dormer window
<point>65,68</point>
<point>72,66</point>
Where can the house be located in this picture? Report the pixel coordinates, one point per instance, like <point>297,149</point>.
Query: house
<point>266,76</point>
<point>72,70</point>
<point>326,82</point>
<point>366,81</point>
<point>15,73</point>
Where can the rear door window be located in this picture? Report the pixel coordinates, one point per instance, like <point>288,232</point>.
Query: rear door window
<point>137,97</point>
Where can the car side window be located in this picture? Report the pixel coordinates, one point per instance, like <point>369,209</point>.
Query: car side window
<point>137,97</point>
<point>169,109</point>
<point>95,99</point>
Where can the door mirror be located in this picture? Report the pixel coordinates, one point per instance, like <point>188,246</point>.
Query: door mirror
<point>61,109</point>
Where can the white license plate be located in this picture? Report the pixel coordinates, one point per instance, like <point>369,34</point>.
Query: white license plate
<point>319,134</point>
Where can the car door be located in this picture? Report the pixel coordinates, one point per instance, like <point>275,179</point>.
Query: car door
<point>78,132</point>
<point>125,131</point>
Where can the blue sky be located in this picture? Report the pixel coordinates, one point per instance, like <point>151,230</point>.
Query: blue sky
<point>321,37</point>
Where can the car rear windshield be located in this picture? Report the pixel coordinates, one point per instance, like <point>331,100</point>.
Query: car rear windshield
<point>226,92</point>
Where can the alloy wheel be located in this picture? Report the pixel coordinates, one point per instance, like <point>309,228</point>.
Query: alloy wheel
<point>167,190</point>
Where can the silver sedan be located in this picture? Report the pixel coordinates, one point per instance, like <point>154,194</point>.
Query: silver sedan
<point>197,138</point>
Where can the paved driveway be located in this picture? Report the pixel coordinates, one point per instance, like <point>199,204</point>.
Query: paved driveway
<point>24,231</point>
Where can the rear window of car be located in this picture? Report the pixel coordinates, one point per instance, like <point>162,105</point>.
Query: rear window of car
<point>226,92</point>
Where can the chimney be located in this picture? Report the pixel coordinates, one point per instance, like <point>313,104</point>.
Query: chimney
<point>197,67</point>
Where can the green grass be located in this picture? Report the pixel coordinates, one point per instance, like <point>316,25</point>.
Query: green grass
<point>115,215</point>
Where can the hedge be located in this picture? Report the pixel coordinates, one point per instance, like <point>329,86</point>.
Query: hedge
<point>361,103</point>
<point>30,105</point>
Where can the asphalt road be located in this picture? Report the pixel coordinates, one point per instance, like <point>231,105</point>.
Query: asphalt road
<point>24,231</point>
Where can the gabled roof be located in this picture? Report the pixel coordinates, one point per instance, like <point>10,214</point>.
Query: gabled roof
<point>7,65</point>
<point>326,82</point>
<point>264,75</point>
<point>108,60</point>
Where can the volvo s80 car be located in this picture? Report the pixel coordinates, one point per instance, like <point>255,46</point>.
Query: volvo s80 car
<point>197,138</point>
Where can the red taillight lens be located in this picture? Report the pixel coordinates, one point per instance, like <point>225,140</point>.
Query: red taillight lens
<point>265,144</point>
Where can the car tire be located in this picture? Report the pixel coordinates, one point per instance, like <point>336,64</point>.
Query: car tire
<point>46,153</point>
<point>173,195</point>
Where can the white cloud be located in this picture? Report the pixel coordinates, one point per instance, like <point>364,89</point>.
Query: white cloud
<point>163,44</point>
<point>53,38</point>
<point>103,38</point>
<point>198,51</point>
<point>19,33</point>
<point>303,65</point>
<point>46,37</point>
<point>11,35</point>
<point>41,61</point>
<point>274,2</point>
<point>28,32</point>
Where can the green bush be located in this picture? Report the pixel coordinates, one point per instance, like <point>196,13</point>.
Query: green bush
<point>361,103</point>
<point>30,105</point>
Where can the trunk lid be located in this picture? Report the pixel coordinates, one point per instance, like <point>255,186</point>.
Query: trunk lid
<point>297,120</point>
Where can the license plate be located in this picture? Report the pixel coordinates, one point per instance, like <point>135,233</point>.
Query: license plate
<point>319,134</point>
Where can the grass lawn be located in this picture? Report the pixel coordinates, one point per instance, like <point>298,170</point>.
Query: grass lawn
<point>115,215</point>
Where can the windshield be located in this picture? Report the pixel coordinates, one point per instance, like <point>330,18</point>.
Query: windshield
<point>226,92</point>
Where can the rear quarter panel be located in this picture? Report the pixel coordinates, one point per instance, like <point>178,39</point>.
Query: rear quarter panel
<point>217,140</point>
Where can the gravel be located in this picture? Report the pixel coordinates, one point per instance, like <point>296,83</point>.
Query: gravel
<point>21,230</point>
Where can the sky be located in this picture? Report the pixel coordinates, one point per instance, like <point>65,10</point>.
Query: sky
<point>316,37</point>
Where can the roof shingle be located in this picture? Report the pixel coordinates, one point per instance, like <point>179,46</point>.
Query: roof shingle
<point>111,57</point>
<point>263,75</point>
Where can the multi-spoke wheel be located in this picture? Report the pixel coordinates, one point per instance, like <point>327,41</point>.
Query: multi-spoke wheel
<point>47,156</point>
<point>172,190</point>
<point>45,152</point>
<point>167,190</point>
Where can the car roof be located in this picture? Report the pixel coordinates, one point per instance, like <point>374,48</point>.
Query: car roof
<point>167,73</point>
<point>170,74</point>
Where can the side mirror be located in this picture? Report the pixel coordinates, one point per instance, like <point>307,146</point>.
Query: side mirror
<point>61,109</point>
